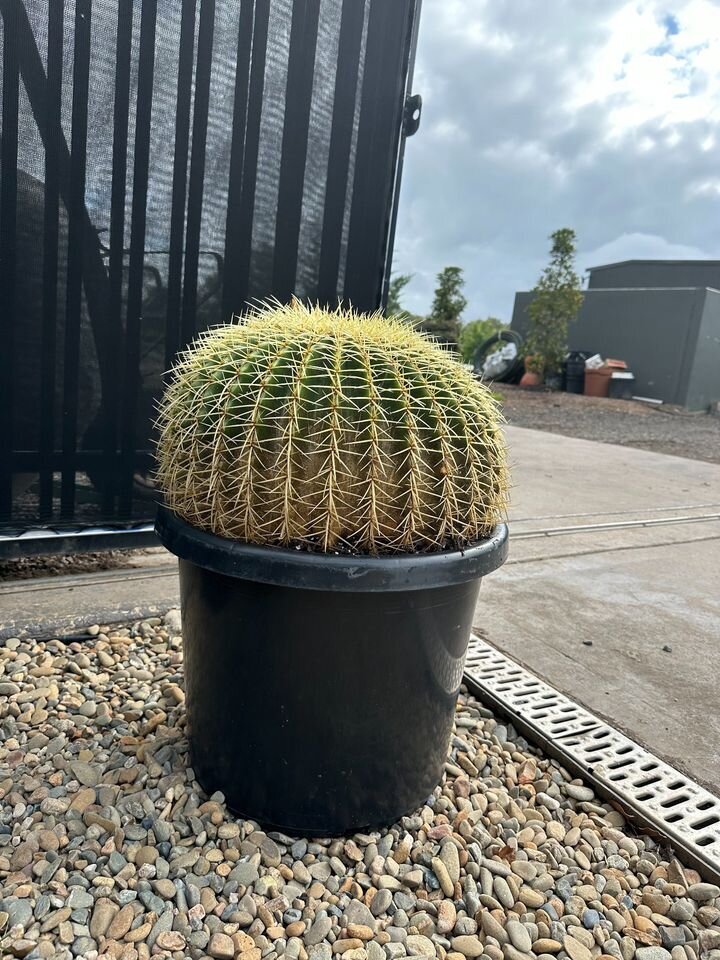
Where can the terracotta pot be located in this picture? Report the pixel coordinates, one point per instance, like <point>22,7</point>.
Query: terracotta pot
<point>597,382</point>
<point>531,379</point>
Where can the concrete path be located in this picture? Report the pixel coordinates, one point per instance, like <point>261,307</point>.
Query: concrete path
<point>625,620</point>
<point>64,606</point>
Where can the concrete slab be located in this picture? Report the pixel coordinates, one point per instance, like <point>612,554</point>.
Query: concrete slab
<point>592,612</point>
<point>61,606</point>
<point>555,475</point>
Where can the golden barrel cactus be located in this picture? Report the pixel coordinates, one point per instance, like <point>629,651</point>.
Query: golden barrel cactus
<point>332,431</point>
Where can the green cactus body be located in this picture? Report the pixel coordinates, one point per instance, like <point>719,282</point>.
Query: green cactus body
<point>331,431</point>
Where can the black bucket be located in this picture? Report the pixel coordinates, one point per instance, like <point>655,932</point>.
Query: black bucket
<point>321,689</point>
<point>575,371</point>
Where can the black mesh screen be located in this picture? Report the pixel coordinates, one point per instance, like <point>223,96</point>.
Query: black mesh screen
<point>162,163</point>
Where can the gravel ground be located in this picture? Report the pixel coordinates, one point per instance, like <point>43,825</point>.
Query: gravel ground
<point>108,846</point>
<point>660,429</point>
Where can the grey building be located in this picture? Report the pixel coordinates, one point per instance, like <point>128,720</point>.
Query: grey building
<point>661,316</point>
<point>655,273</point>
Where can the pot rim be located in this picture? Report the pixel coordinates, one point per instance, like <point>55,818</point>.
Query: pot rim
<point>284,567</point>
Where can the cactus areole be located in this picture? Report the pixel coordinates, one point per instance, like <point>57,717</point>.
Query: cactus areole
<point>334,489</point>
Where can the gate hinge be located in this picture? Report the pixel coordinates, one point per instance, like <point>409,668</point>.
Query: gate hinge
<point>411,119</point>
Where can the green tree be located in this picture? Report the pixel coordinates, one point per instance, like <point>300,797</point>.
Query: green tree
<point>448,305</point>
<point>557,299</point>
<point>472,334</point>
<point>397,285</point>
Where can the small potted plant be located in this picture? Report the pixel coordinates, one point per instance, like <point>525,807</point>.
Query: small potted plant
<point>557,299</point>
<point>533,375</point>
<point>334,488</point>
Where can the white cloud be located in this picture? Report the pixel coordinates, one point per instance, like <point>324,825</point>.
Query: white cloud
<point>520,154</point>
<point>645,72</point>
<point>638,246</point>
<point>447,130</point>
<point>704,188</point>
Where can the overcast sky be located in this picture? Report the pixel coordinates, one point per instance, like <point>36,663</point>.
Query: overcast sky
<point>601,116</point>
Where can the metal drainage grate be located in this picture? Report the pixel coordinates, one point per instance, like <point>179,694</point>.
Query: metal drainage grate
<point>521,692</point>
<point>666,800</point>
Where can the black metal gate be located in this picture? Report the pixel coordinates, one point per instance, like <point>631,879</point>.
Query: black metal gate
<point>161,164</point>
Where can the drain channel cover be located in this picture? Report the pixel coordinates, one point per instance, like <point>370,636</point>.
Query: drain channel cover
<point>666,800</point>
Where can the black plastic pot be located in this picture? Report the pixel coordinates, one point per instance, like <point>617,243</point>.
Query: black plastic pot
<point>575,371</point>
<point>321,689</point>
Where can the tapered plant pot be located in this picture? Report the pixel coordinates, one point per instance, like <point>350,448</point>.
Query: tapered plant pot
<point>321,689</point>
<point>531,378</point>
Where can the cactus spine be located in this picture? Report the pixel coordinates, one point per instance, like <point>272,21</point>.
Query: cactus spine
<point>332,431</point>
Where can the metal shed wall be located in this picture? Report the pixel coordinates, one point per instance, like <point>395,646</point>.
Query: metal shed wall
<point>704,385</point>
<point>656,273</point>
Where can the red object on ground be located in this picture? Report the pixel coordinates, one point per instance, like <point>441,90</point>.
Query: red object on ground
<point>597,382</point>
<point>530,379</point>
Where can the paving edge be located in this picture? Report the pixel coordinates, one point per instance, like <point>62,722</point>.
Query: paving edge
<point>67,628</point>
<point>66,605</point>
<point>646,788</point>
